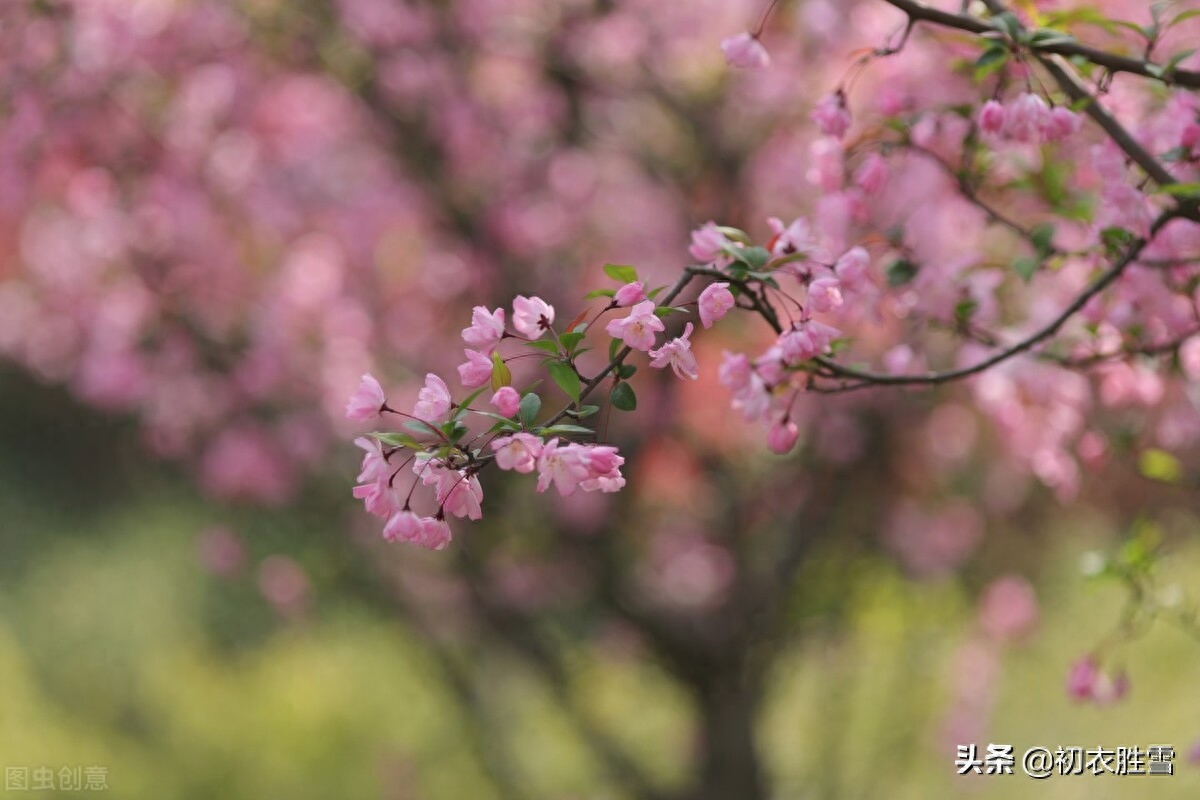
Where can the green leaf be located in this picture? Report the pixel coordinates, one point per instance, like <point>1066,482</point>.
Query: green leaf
<point>1186,15</point>
<point>992,59</point>
<point>1007,24</point>
<point>504,425</point>
<point>664,311</point>
<point>571,340</point>
<point>420,427</point>
<point>530,405</point>
<point>901,271</point>
<point>613,347</point>
<point>754,257</point>
<point>583,411</point>
<point>555,430</point>
<point>625,371</point>
<point>621,272</point>
<point>1025,267</point>
<point>592,295</point>
<point>396,439</point>
<point>1115,240</point>
<point>1159,465</point>
<point>460,409</point>
<point>501,374</point>
<point>1046,38</point>
<point>655,292</point>
<point>545,345</point>
<point>737,234</point>
<point>1181,189</point>
<point>566,378</point>
<point>623,397</point>
<point>1180,153</point>
<point>1042,238</point>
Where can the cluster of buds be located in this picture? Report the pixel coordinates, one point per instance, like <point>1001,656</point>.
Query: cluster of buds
<point>1028,119</point>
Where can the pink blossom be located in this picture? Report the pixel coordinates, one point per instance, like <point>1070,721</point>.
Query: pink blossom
<point>709,245</point>
<point>824,294</point>
<point>507,401</point>
<point>518,452</point>
<point>630,294</point>
<point>750,394</point>
<point>1189,140</point>
<point>1062,123</point>
<point>367,401</point>
<point>532,316</point>
<point>602,465</point>
<point>802,341</point>
<point>782,436</point>
<point>460,493</point>
<point>486,330</point>
<point>403,526</point>
<point>745,51</point>
<point>1028,118</point>
<point>572,466</point>
<point>433,401</point>
<point>476,370</point>
<point>991,117</point>
<point>872,174</point>
<point>560,466</point>
<point>638,329</point>
<point>831,115</point>
<point>790,239</point>
<point>714,303</point>
<point>1008,609</point>
<point>1081,680</point>
<point>851,268</point>
<point>435,533</point>
<point>678,354</point>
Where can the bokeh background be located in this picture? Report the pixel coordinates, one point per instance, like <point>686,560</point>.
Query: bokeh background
<point>216,214</point>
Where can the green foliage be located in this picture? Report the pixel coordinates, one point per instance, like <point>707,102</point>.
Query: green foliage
<point>623,397</point>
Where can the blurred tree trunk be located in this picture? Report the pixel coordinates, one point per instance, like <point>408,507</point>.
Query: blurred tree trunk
<point>729,767</point>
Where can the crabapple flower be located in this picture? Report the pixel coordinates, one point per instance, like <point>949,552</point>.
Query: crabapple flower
<point>782,436</point>
<point>574,466</point>
<point>486,330</point>
<point>678,354</point>
<point>518,452</point>
<point>709,245</point>
<point>460,493</point>
<point>745,51</point>
<point>403,526</point>
<point>435,533</point>
<point>476,371</point>
<point>507,401</point>
<point>532,316</point>
<point>872,174</point>
<point>1062,123</point>
<point>831,115</point>
<point>638,329</point>
<point>630,294</point>
<point>433,401</point>
<point>1028,118</point>
<point>791,239</point>
<point>805,340</point>
<point>851,268</point>
<point>824,294</point>
<point>714,303</point>
<point>750,395</point>
<point>367,401</point>
<point>374,487</point>
<point>992,117</point>
<point>1081,679</point>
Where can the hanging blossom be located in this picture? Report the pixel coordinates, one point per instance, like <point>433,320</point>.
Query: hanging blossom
<point>745,51</point>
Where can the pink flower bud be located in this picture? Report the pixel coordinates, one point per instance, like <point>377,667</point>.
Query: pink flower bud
<point>832,116</point>
<point>744,51</point>
<point>1081,680</point>
<point>873,174</point>
<point>782,436</point>
<point>507,401</point>
<point>714,303</point>
<point>403,526</point>
<point>630,294</point>
<point>991,117</point>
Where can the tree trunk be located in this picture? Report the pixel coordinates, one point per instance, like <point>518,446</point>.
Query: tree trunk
<point>728,768</point>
